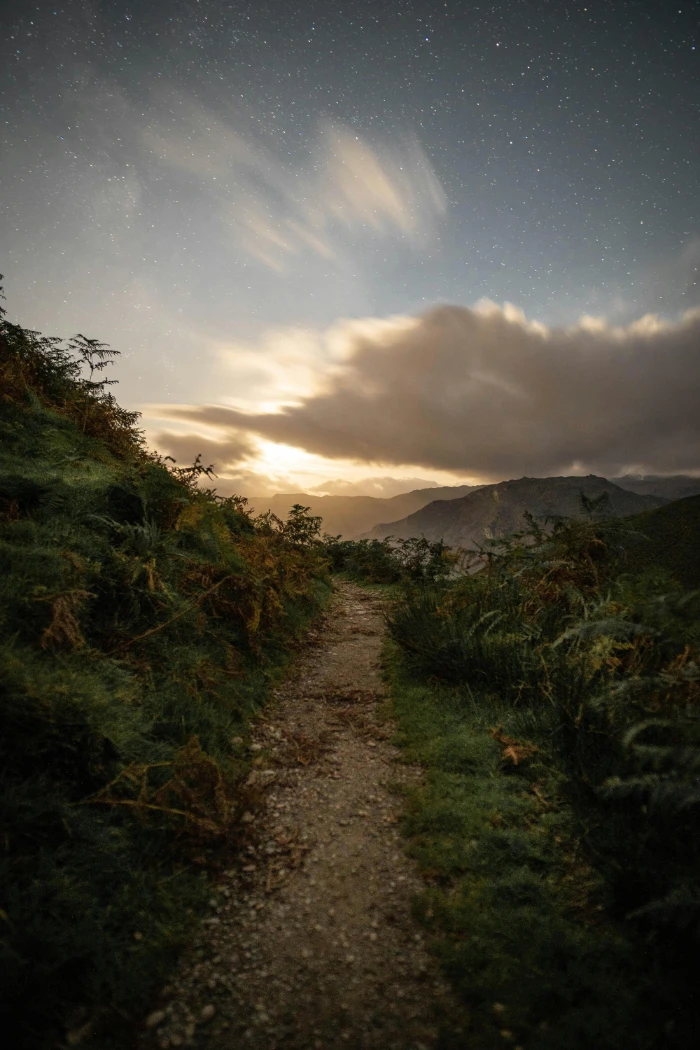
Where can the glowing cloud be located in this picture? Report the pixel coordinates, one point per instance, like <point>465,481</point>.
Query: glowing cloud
<point>486,393</point>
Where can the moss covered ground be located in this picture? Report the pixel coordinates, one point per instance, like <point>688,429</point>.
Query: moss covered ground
<point>514,907</point>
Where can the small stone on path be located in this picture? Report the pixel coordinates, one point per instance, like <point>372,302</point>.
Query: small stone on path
<point>310,969</point>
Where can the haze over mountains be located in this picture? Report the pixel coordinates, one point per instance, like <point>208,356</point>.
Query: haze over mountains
<point>674,486</point>
<point>427,511</point>
<point>351,516</point>
<point>382,487</point>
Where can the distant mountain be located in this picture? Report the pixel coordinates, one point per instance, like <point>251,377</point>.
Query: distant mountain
<point>497,510</point>
<point>676,486</point>
<point>350,516</point>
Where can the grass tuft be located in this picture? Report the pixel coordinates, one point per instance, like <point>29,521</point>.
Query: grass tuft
<point>142,621</point>
<point>553,699</point>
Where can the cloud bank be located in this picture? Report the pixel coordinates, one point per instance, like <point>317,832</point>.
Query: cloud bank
<point>382,487</point>
<point>485,392</point>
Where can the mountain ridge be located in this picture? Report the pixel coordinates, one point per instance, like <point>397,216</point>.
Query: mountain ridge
<point>351,516</point>
<point>672,486</point>
<point>497,510</point>
<point>356,516</point>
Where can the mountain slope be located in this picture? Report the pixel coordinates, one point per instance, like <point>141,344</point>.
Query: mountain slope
<point>497,510</point>
<point>670,538</point>
<point>350,516</point>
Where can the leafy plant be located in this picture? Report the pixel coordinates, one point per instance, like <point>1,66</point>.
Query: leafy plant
<point>599,669</point>
<point>142,620</point>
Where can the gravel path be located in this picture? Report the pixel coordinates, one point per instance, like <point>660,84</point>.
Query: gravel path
<point>312,944</point>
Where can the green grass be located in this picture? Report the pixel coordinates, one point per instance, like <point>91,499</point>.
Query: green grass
<point>142,624</point>
<point>515,911</point>
<point>670,538</point>
<point>566,885</point>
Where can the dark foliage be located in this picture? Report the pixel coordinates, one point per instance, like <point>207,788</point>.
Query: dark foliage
<point>142,618</point>
<point>603,669</point>
<point>389,561</point>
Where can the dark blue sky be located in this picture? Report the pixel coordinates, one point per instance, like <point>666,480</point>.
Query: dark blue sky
<point>183,177</point>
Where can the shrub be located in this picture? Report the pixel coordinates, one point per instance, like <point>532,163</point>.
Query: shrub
<point>603,666</point>
<point>142,618</point>
<point>411,560</point>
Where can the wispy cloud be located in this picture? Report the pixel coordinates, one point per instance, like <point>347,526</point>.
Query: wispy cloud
<point>278,206</point>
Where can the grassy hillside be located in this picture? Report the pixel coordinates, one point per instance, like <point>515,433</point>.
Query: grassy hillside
<point>498,510</point>
<point>670,538</point>
<point>554,699</point>
<point>141,622</point>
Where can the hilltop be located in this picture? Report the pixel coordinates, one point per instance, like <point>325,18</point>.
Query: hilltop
<point>355,516</point>
<point>498,510</point>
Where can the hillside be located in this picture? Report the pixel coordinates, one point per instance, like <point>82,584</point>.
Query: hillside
<point>351,516</point>
<point>673,486</point>
<point>142,621</point>
<point>497,510</point>
<point>670,538</point>
<point>554,701</point>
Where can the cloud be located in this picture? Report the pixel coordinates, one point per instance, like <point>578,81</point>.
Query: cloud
<point>388,188</point>
<point>382,487</point>
<point>223,455</point>
<point>277,208</point>
<point>486,393</point>
<point>255,486</point>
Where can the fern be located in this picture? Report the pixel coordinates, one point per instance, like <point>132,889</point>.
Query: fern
<point>142,618</point>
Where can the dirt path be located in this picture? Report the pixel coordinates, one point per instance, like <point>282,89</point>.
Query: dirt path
<point>312,945</point>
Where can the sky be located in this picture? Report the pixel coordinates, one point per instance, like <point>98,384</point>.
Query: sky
<point>367,246</point>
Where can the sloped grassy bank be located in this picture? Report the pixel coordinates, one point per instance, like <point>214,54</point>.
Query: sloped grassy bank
<point>142,620</point>
<point>554,700</point>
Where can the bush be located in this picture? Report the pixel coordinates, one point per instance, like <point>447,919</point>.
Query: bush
<point>142,618</point>
<point>412,560</point>
<point>603,668</point>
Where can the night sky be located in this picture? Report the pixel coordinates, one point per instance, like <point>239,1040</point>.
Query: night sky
<point>285,211</point>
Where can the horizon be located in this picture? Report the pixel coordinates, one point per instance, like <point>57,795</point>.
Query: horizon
<point>502,481</point>
<point>369,247</point>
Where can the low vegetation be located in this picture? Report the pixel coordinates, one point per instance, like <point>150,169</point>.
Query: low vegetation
<point>668,538</point>
<point>414,560</point>
<point>142,620</point>
<point>554,697</point>
<point>549,683</point>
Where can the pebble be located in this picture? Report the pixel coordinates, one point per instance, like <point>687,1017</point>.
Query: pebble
<point>278,937</point>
